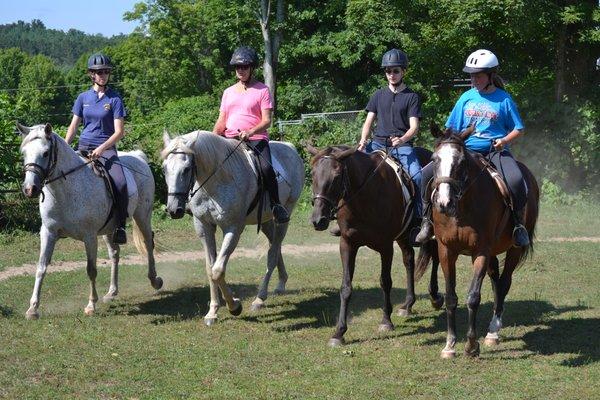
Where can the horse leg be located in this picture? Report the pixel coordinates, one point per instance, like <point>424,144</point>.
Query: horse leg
<point>510,263</point>
<point>280,232</point>
<point>230,240</point>
<point>437,300</point>
<point>91,251</point>
<point>408,258</point>
<point>142,225</point>
<point>113,254</point>
<point>47,241</point>
<point>206,233</point>
<point>480,265</point>
<point>348,255</point>
<point>491,338</point>
<point>385,280</point>
<point>448,261</point>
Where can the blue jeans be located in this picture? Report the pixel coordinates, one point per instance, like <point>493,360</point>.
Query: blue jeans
<point>406,156</point>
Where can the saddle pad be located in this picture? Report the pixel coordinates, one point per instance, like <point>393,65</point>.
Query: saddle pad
<point>277,167</point>
<point>131,185</point>
<point>397,169</point>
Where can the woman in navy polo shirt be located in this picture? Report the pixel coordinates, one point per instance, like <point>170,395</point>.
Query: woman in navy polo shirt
<point>102,112</point>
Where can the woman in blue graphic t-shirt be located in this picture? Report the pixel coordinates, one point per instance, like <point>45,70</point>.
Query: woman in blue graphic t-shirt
<point>102,112</point>
<point>497,123</point>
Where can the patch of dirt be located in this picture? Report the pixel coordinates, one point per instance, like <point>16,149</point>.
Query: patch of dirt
<point>168,257</point>
<point>593,239</point>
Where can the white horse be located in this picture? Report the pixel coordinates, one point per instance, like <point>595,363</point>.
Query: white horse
<point>228,186</point>
<point>75,203</point>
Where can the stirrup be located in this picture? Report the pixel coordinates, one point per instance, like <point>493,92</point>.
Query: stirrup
<point>119,236</point>
<point>520,236</point>
<point>426,232</point>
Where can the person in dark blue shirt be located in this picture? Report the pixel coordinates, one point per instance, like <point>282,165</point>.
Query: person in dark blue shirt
<point>397,110</point>
<point>495,117</point>
<point>102,111</point>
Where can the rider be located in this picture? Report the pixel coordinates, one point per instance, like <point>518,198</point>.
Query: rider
<point>497,123</point>
<point>103,112</point>
<point>398,110</point>
<point>245,113</point>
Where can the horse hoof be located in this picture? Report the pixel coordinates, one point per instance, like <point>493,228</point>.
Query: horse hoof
<point>89,311</point>
<point>385,328</point>
<point>238,308</point>
<point>108,298</point>
<point>472,352</point>
<point>403,312</point>
<point>210,321</point>
<point>32,315</point>
<point>437,303</point>
<point>278,292</point>
<point>447,354</point>
<point>158,283</point>
<point>255,307</point>
<point>335,342</point>
<point>491,340</point>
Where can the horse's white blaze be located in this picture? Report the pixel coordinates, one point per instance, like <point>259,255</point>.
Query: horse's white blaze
<point>447,156</point>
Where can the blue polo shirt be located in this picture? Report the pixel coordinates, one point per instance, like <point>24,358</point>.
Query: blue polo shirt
<point>393,112</point>
<point>494,114</point>
<point>98,115</point>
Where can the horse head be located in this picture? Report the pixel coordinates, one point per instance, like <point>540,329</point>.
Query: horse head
<point>329,182</point>
<point>180,173</point>
<point>39,157</point>
<point>450,171</point>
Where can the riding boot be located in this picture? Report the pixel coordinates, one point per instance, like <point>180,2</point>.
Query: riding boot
<point>119,235</point>
<point>520,235</point>
<point>426,232</point>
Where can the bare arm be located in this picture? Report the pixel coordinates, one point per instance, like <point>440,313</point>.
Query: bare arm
<point>264,123</point>
<point>410,133</point>
<point>366,130</point>
<point>112,140</point>
<point>72,130</point>
<point>513,135</point>
<point>219,127</point>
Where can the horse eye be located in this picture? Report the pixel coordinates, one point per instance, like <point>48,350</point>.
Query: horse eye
<point>45,154</point>
<point>186,170</point>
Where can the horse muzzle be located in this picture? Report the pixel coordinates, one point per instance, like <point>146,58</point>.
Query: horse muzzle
<point>31,191</point>
<point>319,221</point>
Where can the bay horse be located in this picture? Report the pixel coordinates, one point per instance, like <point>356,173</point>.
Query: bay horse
<point>364,194</point>
<point>75,203</point>
<point>223,185</point>
<point>470,217</point>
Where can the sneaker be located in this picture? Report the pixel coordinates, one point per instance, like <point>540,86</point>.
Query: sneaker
<point>119,236</point>
<point>280,214</point>
<point>520,236</point>
<point>426,232</point>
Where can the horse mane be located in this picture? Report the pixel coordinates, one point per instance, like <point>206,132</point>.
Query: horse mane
<point>329,150</point>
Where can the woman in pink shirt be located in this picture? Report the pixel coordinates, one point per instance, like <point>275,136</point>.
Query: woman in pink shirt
<point>245,114</point>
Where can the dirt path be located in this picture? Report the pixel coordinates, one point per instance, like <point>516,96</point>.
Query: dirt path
<point>241,252</point>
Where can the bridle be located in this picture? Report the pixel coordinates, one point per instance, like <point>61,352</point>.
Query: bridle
<point>334,208</point>
<point>44,172</point>
<point>184,195</point>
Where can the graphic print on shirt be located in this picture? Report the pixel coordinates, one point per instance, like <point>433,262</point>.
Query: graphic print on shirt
<point>482,114</point>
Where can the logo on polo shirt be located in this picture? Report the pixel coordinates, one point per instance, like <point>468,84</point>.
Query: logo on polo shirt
<point>107,106</point>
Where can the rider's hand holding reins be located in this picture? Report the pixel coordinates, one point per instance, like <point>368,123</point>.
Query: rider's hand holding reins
<point>499,144</point>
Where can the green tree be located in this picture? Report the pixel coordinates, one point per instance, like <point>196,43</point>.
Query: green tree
<point>11,62</point>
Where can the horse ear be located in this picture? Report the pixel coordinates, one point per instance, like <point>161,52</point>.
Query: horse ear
<point>48,130</point>
<point>467,132</point>
<point>23,130</point>
<point>435,130</point>
<point>312,150</point>
<point>345,153</point>
<point>166,137</point>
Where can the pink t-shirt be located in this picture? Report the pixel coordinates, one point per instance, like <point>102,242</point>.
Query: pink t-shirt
<point>243,110</point>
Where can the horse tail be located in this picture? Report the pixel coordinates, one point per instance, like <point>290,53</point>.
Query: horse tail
<point>424,258</point>
<point>138,240</point>
<point>533,209</point>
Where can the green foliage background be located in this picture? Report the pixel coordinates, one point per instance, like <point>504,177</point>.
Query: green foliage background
<point>172,70</point>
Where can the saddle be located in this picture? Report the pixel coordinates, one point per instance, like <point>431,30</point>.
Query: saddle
<point>497,177</point>
<point>408,189</point>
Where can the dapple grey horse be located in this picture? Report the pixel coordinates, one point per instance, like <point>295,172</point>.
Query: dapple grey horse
<point>228,186</point>
<point>75,203</point>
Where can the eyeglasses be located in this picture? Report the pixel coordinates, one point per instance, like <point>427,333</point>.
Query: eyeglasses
<point>242,67</point>
<point>102,72</point>
<point>392,71</point>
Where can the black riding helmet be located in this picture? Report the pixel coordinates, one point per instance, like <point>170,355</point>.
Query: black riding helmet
<point>394,58</point>
<point>244,55</point>
<point>98,61</point>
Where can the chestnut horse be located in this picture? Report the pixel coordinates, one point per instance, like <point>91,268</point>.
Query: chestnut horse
<point>363,192</point>
<point>470,217</point>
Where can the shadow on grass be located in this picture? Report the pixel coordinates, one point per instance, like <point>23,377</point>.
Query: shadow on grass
<point>186,303</point>
<point>6,311</point>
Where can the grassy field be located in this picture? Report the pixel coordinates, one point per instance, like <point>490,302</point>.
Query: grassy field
<point>148,345</point>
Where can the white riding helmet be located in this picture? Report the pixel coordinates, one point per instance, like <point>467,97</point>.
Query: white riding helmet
<point>481,61</point>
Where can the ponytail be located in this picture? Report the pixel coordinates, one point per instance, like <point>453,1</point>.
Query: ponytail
<point>497,80</point>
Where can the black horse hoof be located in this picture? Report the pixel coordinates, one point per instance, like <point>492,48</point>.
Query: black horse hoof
<point>238,309</point>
